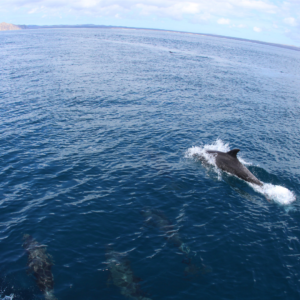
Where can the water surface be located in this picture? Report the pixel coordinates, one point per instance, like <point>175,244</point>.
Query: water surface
<point>97,124</point>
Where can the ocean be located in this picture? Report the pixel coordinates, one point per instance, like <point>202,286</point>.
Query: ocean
<point>100,136</point>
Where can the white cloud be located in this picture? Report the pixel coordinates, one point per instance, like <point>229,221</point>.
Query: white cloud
<point>189,7</point>
<point>223,21</point>
<point>87,3</point>
<point>167,8</point>
<point>290,21</point>
<point>201,18</point>
<point>256,5</point>
<point>256,14</point>
<point>173,9</point>
<point>32,11</point>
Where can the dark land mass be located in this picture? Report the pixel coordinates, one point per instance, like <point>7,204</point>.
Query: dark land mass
<point>134,28</point>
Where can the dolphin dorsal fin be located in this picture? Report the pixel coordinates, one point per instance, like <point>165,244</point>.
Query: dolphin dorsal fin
<point>233,152</point>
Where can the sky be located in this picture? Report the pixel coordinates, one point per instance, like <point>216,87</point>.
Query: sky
<point>274,21</point>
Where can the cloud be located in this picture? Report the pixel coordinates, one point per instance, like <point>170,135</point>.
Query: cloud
<point>167,8</point>
<point>173,10</point>
<point>257,29</point>
<point>190,7</point>
<point>32,11</point>
<point>256,14</point>
<point>88,3</point>
<point>290,21</point>
<point>201,18</point>
<point>256,5</point>
<point>223,21</point>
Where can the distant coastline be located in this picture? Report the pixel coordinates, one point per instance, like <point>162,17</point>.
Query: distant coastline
<point>17,27</point>
<point>7,26</point>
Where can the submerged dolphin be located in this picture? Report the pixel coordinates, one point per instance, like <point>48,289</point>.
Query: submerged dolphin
<point>159,220</point>
<point>122,275</point>
<point>227,161</point>
<point>8,297</point>
<point>40,263</point>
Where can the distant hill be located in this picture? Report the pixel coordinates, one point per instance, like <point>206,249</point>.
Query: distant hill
<point>65,26</point>
<point>7,26</point>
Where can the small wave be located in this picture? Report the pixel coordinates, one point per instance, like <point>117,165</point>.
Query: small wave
<point>276,193</point>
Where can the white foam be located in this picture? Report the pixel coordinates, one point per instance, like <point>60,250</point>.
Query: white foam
<point>201,152</point>
<point>276,193</point>
<point>218,145</point>
<point>196,151</point>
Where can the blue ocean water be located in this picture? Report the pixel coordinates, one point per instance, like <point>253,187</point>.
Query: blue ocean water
<point>99,126</point>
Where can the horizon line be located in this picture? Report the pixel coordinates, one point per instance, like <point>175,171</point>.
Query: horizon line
<point>291,47</point>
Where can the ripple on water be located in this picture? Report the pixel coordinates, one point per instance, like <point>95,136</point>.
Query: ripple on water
<point>93,130</point>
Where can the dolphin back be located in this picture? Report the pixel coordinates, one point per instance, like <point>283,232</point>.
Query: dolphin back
<point>122,275</point>
<point>233,153</point>
<point>40,263</point>
<point>228,162</point>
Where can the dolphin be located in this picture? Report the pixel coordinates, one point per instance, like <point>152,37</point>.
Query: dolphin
<point>8,297</point>
<point>228,161</point>
<point>122,275</point>
<point>158,219</point>
<point>40,263</point>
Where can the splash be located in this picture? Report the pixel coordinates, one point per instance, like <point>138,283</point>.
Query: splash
<point>201,152</point>
<point>206,158</point>
<point>277,193</point>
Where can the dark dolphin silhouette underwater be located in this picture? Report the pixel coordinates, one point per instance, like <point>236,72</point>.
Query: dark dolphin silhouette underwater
<point>228,162</point>
<point>40,263</point>
<point>122,275</point>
